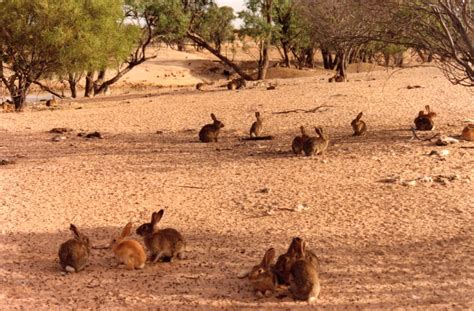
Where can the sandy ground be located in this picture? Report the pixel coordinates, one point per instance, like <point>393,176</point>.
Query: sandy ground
<point>381,246</point>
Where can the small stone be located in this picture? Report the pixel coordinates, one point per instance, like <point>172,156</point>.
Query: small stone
<point>301,208</point>
<point>58,138</point>
<point>425,179</point>
<point>409,183</point>
<point>441,153</point>
<point>264,190</point>
<point>243,274</point>
<point>446,140</point>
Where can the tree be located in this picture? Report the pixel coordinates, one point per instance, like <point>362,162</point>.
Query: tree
<point>216,25</point>
<point>160,21</point>
<point>340,26</point>
<point>290,33</point>
<point>443,28</point>
<point>102,42</point>
<point>41,39</point>
<point>258,25</point>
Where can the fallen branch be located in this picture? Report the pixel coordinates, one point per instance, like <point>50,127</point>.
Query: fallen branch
<point>314,110</point>
<point>47,89</point>
<point>413,130</point>
<point>258,138</point>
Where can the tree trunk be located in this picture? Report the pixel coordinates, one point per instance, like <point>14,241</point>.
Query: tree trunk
<point>341,66</point>
<point>309,57</point>
<point>19,95</point>
<point>72,84</point>
<point>89,89</point>
<point>99,82</point>
<point>326,58</point>
<point>286,56</point>
<point>265,61</point>
<point>181,46</point>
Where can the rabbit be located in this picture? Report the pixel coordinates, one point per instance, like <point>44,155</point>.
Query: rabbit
<point>263,280</point>
<point>237,84</point>
<point>74,253</point>
<point>128,251</point>
<point>284,262</point>
<point>231,86</point>
<point>316,145</point>
<point>210,132</point>
<point>165,243</point>
<point>424,121</point>
<point>200,86</point>
<point>257,126</point>
<point>298,141</point>
<point>468,133</point>
<point>304,277</point>
<point>359,126</point>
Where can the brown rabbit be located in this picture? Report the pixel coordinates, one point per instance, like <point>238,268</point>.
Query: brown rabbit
<point>304,278</point>
<point>74,253</point>
<point>162,244</point>
<point>257,126</point>
<point>231,86</point>
<point>282,268</point>
<point>210,132</point>
<point>200,86</point>
<point>285,261</point>
<point>424,121</point>
<point>468,132</point>
<point>298,141</point>
<point>128,251</point>
<point>316,145</point>
<point>359,126</point>
<point>263,280</point>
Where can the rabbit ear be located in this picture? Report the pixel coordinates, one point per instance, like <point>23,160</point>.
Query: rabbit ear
<point>428,109</point>
<point>127,230</point>
<point>213,117</point>
<point>156,217</point>
<point>74,230</point>
<point>303,132</point>
<point>359,116</point>
<point>257,115</point>
<point>268,257</point>
<point>320,132</point>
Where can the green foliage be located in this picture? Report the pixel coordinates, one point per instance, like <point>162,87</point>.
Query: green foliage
<point>46,37</point>
<point>255,24</point>
<point>216,25</point>
<point>167,18</point>
<point>290,27</point>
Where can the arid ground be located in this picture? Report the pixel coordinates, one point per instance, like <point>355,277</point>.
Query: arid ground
<point>382,245</point>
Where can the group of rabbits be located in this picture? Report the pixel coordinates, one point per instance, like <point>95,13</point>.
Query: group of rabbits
<point>296,270</point>
<point>162,244</point>
<point>304,143</point>
<point>311,145</point>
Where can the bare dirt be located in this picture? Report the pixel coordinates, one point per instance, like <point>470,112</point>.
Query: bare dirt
<point>381,245</point>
